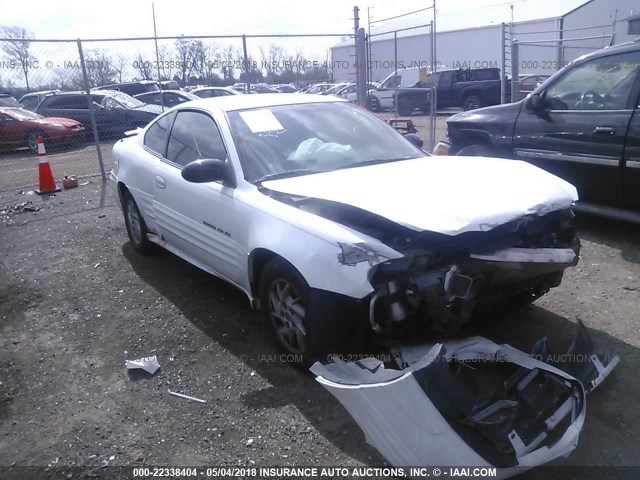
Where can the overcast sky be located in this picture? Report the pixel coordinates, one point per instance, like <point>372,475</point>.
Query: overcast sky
<point>125,18</point>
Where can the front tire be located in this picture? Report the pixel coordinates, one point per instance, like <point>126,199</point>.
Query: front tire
<point>471,102</point>
<point>284,297</point>
<point>136,228</point>
<point>32,140</point>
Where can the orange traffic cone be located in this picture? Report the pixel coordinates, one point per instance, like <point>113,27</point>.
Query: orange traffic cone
<point>47,183</point>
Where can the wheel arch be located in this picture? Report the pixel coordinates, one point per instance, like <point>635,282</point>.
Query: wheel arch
<point>258,259</point>
<point>474,137</point>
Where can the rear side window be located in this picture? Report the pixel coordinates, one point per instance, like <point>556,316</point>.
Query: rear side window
<point>194,136</point>
<point>206,93</point>
<point>67,102</point>
<point>156,137</point>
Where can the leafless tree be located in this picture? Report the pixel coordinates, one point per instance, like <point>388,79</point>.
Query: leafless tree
<point>185,49</point>
<point>143,66</point>
<point>99,68</point>
<point>272,59</point>
<point>227,61</point>
<point>166,62</point>
<point>16,47</point>
<point>119,65</point>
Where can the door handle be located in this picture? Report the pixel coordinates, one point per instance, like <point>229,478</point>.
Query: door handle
<point>160,182</point>
<point>609,130</point>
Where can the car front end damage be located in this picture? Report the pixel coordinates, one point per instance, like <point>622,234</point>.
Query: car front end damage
<point>470,402</point>
<point>437,246</point>
<point>441,280</point>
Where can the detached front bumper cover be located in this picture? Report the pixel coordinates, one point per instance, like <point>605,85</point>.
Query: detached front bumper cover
<point>470,402</point>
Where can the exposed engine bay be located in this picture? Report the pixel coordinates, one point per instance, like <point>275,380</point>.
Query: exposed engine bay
<point>441,280</point>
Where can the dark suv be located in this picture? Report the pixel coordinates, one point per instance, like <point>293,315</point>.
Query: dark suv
<point>115,112</point>
<point>582,124</point>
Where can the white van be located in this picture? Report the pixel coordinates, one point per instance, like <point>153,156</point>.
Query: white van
<point>402,78</point>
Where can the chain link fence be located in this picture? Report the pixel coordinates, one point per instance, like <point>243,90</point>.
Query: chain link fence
<point>399,63</point>
<point>81,96</point>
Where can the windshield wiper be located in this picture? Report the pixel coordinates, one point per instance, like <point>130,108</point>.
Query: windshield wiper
<point>285,174</point>
<point>374,161</point>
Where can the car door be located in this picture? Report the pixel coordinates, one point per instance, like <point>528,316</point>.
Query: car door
<point>448,87</point>
<point>578,131</point>
<point>387,91</point>
<point>198,219</point>
<point>11,132</point>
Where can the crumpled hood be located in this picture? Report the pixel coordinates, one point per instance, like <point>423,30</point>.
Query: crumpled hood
<point>449,195</point>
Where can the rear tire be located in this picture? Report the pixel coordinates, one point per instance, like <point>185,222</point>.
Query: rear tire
<point>136,228</point>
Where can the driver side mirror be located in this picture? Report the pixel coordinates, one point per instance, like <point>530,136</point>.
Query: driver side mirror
<point>415,139</point>
<point>209,170</point>
<point>535,103</point>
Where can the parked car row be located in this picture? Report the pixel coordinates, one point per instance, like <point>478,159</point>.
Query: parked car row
<point>64,117</point>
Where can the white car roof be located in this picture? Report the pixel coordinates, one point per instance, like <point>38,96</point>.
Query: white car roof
<point>259,100</point>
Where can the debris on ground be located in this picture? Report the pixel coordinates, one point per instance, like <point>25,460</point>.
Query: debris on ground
<point>149,364</point>
<point>20,208</point>
<point>175,394</point>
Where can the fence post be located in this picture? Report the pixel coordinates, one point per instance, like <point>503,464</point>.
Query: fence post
<point>503,64</point>
<point>361,71</point>
<point>515,69</point>
<point>94,127</point>
<point>247,80</point>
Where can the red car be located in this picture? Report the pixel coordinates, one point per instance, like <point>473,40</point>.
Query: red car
<point>20,128</point>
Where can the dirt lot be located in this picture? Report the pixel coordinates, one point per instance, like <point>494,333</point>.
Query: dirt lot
<point>76,301</point>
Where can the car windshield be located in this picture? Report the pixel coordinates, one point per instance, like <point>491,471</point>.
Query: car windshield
<point>6,101</point>
<point>126,100</point>
<point>288,140</point>
<point>22,114</point>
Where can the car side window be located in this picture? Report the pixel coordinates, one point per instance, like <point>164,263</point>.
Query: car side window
<point>393,82</point>
<point>603,83</point>
<point>111,104</point>
<point>194,136</point>
<point>69,102</point>
<point>30,102</point>
<point>172,99</point>
<point>156,137</point>
<point>150,98</point>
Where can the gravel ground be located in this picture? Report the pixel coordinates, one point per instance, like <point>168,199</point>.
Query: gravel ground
<point>76,301</point>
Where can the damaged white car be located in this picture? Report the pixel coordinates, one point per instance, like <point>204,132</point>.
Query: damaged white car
<point>336,225</point>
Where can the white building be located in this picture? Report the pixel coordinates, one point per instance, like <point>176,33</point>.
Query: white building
<point>547,38</point>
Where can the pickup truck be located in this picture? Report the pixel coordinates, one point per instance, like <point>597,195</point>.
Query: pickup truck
<point>467,89</point>
<point>582,124</point>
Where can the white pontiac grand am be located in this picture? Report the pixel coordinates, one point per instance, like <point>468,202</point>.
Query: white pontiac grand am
<point>334,224</point>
